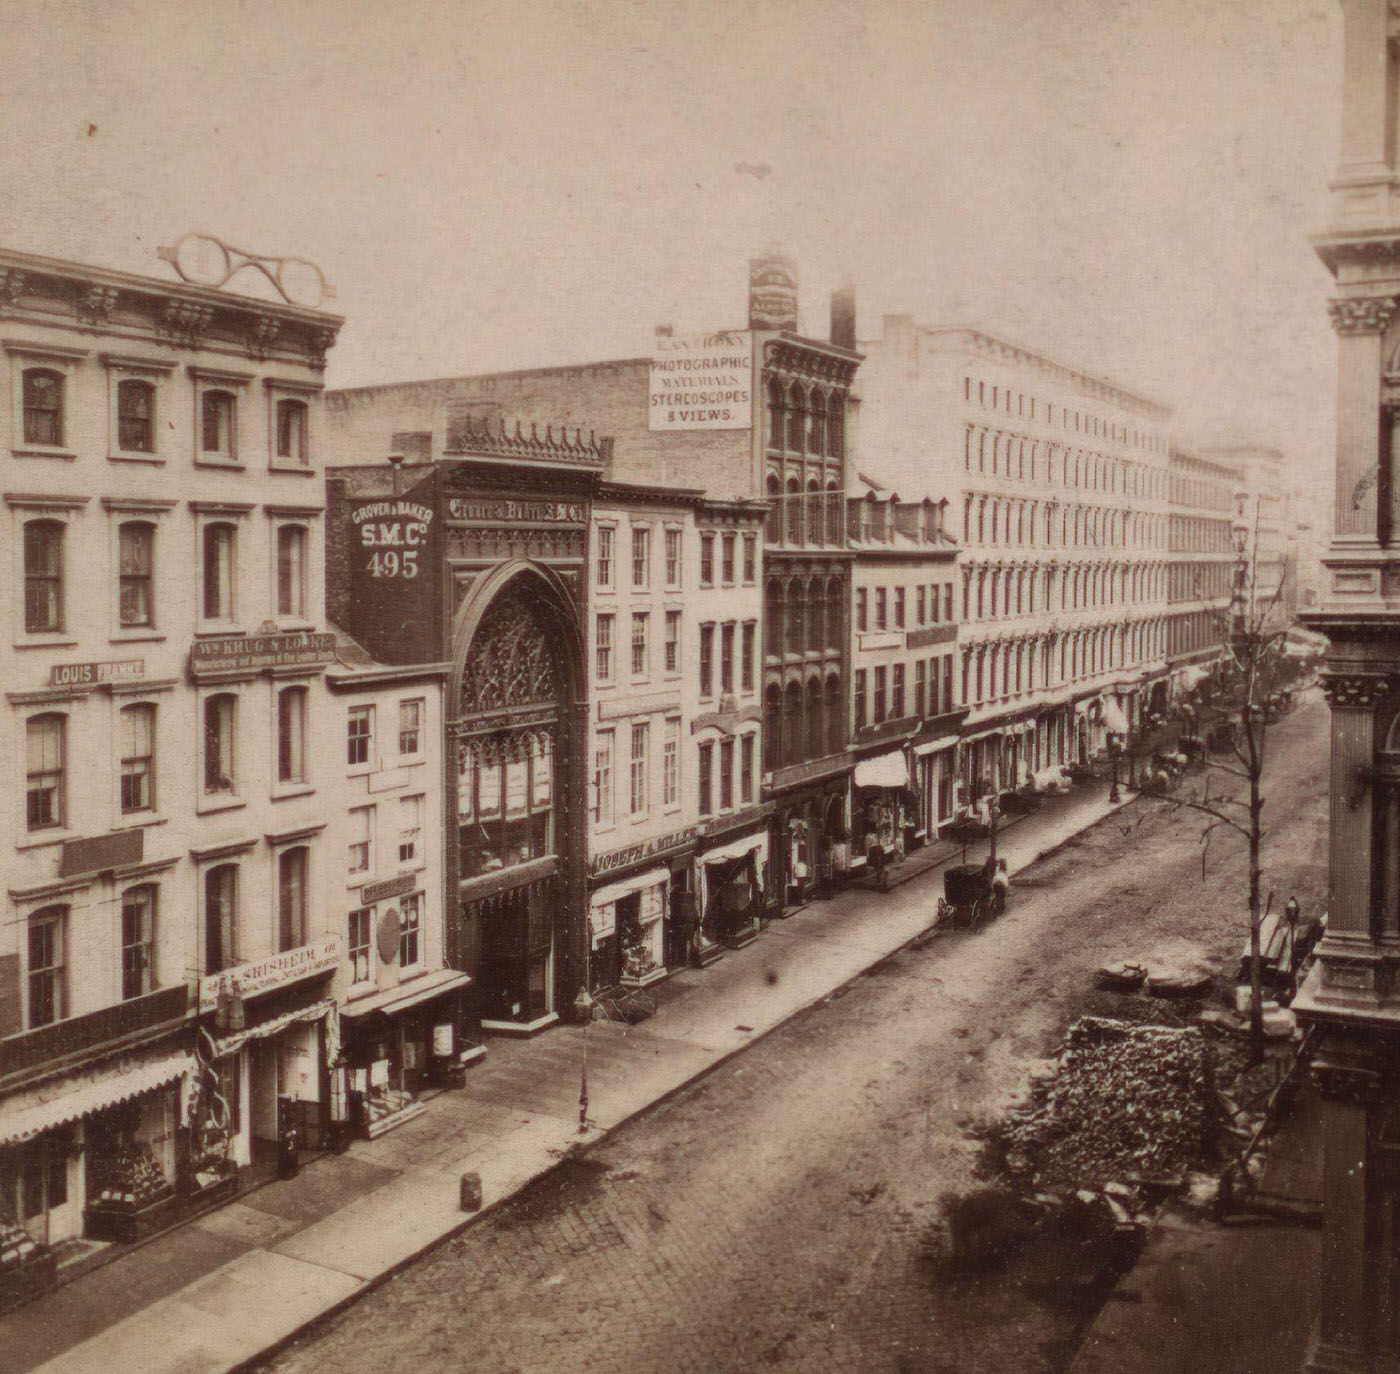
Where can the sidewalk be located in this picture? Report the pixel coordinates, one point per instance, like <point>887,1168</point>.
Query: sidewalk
<point>224,1289</point>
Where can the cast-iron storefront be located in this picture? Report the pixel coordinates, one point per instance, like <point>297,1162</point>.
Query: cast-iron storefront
<point>809,835</point>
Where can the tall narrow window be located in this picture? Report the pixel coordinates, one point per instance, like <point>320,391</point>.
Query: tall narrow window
<point>897,692</point>
<point>136,411</point>
<point>639,644</point>
<point>604,565</point>
<point>216,415</point>
<point>43,407</point>
<point>707,560</point>
<point>361,847</point>
<point>726,774</point>
<point>703,779</point>
<point>135,547</point>
<point>603,649</point>
<point>48,1000</point>
<point>881,611</point>
<point>862,608</point>
<point>603,779</point>
<point>673,559</point>
<point>670,764</point>
<point>879,694</point>
<point>750,559</point>
<point>43,576</point>
<point>218,572</point>
<point>291,570</point>
<point>358,945</point>
<point>138,761</point>
<point>410,727</point>
<point>638,775</point>
<point>410,929</point>
<point>292,443</point>
<point>746,767</point>
<point>726,657</point>
<point>641,556</point>
<point>410,827</point>
<point>707,652</point>
<point>359,735</point>
<point>44,772</point>
<point>291,899</point>
<point>220,917</point>
<point>746,676</point>
<point>726,560</point>
<point>291,734</point>
<point>899,608</point>
<point>218,744</point>
<point>860,680</point>
<point>673,641</point>
<point>138,941</point>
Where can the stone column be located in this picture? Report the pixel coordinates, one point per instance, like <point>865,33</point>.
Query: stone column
<point>1360,323</point>
<point>1353,698</point>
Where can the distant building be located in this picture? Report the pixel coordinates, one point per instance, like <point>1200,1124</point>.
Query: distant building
<point>1201,574</point>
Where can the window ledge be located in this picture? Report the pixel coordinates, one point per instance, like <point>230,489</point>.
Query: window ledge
<point>412,760</point>
<point>138,637</point>
<point>40,451</point>
<point>227,464</point>
<point>150,459</point>
<point>290,790</point>
<point>360,770</point>
<point>139,820</point>
<point>42,839</point>
<point>207,807</point>
<point>59,641</point>
<point>292,469</point>
<point>210,629</point>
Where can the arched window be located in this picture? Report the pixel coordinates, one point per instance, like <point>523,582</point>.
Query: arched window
<point>43,407</point>
<point>835,608</point>
<point>220,917</point>
<point>775,413</point>
<point>292,443</point>
<point>43,576</point>
<point>138,758</point>
<point>773,617</point>
<point>796,619</point>
<point>136,412</point>
<point>291,570</point>
<point>773,485</point>
<point>816,426</point>
<point>772,729</point>
<point>797,418</point>
<point>135,560</point>
<point>836,425</point>
<point>816,615</point>
<point>792,724</point>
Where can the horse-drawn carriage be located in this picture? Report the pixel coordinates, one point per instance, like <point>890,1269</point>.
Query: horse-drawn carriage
<point>969,895</point>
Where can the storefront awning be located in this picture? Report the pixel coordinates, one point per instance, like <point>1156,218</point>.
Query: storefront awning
<point>887,770</point>
<point>408,994</point>
<point>1113,717</point>
<point>932,746</point>
<point>272,1026</point>
<point>605,895</point>
<point>73,1096</point>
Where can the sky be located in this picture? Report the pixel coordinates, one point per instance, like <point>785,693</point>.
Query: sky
<point>1128,185</point>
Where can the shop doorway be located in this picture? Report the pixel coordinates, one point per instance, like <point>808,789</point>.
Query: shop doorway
<point>680,910</point>
<point>38,1187</point>
<point>263,1086</point>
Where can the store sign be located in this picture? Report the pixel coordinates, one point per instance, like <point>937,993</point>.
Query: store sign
<point>701,381</point>
<point>264,975</point>
<point>95,674</point>
<point>386,936</point>
<point>389,887</point>
<point>99,853</point>
<point>644,849</point>
<point>934,634</point>
<point>241,652</point>
<point>392,535</point>
<point>494,511</point>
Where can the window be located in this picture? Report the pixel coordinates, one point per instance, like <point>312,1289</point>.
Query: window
<point>359,735</point>
<point>673,559</point>
<point>410,726</point>
<point>361,856</point>
<point>639,643</point>
<point>136,411</point>
<point>47,984</point>
<point>216,419</point>
<point>862,608</point>
<point>726,657</point>
<point>726,560</point>
<point>670,764</point>
<point>750,559</point>
<point>291,899</point>
<point>218,744</point>
<point>673,641</point>
<point>920,605</point>
<point>879,694</point>
<point>43,407</point>
<point>603,649</point>
<point>410,827</point>
<point>292,432</point>
<point>358,941</point>
<point>899,608</point>
<point>707,751</point>
<point>220,917</point>
<point>897,692</point>
<point>410,926</point>
<point>43,576</point>
<point>602,779</point>
<point>860,697</point>
<point>605,556</point>
<point>135,542</point>
<point>947,601</point>
<point>638,773</point>
<point>707,651</point>
<point>726,774</point>
<point>707,560</point>
<point>291,734</point>
<point>138,942</point>
<point>218,572</point>
<point>746,673</point>
<point>138,763</point>
<point>641,556</point>
<point>746,768</point>
<point>291,569</point>
<point>948,682</point>
<point>881,609</point>
<point>919,700</point>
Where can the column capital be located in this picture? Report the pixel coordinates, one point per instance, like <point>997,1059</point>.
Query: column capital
<point>1352,691</point>
<point>1361,314</point>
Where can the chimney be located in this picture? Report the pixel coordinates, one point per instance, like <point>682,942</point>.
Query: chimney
<point>843,317</point>
<point>773,290</point>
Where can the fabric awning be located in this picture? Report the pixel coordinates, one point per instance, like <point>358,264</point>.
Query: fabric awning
<point>272,1026</point>
<point>932,746</point>
<point>408,994</point>
<point>75,1095</point>
<point>604,895</point>
<point>886,770</point>
<point>1194,676</point>
<point>1113,717</point>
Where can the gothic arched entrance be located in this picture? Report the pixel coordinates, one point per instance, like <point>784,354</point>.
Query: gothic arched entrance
<point>517,746</point>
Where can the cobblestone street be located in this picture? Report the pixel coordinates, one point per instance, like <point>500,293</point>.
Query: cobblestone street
<point>770,1215</point>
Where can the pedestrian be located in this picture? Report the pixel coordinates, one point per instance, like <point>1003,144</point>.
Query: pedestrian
<point>1001,886</point>
<point>877,860</point>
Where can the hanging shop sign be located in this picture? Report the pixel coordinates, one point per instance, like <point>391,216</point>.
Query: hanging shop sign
<point>263,975</point>
<point>295,650</point>
<point>701,381</point>
<point>96,674</point>
<point>386,935</point>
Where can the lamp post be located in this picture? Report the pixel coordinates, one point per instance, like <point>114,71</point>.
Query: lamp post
<point>1114,749</point>
<point>583,1004</point>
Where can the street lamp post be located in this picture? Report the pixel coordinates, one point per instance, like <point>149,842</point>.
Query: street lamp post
<point>1114,749</point>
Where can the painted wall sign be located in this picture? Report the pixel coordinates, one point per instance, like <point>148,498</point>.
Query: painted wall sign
<point>644,849</point>
<point>701,381</point>
<point>263,975</point>
<point>490,510</point>
<point>97,853</point>
<point>389,887</point>
<point>933,634</point>
<point>394,534</point>
<point>93,674</point>
<point>301,649</point>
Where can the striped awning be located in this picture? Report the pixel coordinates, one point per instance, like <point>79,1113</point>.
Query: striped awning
<point>73,1096</point>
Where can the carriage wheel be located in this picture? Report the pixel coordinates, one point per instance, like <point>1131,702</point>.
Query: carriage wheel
<point>941,911</point>
<point>978,911</point>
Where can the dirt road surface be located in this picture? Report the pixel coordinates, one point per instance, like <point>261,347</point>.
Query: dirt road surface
<point>769,1216</point>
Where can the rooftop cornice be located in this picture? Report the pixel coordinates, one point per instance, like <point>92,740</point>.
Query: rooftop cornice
<point>467,438</point>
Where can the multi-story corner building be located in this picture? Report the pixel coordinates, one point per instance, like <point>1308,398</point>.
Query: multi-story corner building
<point>904,654</point>
<point>1201,572</point>
<point>1351,998</point>
<point>399,998</point>
<point>165,808</point>
<point>1058,482</point>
